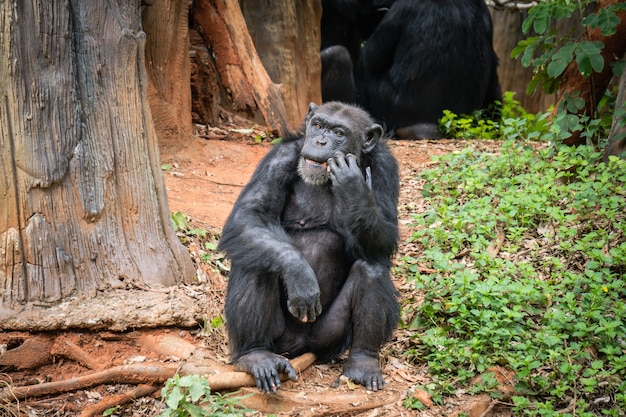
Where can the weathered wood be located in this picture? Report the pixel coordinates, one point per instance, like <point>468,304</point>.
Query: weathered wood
<point>287,37</point>
<point>166,24</point>
<point>83,205</point>
<point>148,373</point>
<point>241,71</point>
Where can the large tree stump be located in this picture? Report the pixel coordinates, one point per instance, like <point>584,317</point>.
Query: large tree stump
<point>83,207</point>
<point>240,70</point>
<point>287,37</point>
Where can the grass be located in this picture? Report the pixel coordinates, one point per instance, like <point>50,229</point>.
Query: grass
<point>529,256</point>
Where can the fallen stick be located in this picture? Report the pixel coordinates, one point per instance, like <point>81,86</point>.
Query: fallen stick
<point>120,399</point>
<point>143,374</point>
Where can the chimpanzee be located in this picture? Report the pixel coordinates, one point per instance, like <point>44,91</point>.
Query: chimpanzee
<point>345,25</point>
<point>310,240</point>
<point>338,80</point>
<point>426,56</point>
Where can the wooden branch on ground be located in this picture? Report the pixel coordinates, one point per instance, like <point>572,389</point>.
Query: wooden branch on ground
<point>97,409</point>
<point>143,374</point>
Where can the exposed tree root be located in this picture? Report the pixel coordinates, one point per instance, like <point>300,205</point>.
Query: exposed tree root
<point>151,374</point>
<point>70,350</point>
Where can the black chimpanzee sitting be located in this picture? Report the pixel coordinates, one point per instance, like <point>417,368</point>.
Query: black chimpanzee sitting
<point>345,25</point>
<point>426,56</point>
<point>310,240</point>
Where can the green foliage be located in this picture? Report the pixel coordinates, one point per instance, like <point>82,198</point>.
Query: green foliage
<point>515,123</point>
<point>549,52</point>
<point>191,396</point>
<point>207,241</point>
<point>529,250</point>
<point>111,411</point>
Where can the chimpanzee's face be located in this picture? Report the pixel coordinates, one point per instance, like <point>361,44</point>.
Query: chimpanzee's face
<point>324,137</point>
<point>328,131</point>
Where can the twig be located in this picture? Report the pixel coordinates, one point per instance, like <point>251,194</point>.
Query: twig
<point>142,390</point>
<point>488,409</point>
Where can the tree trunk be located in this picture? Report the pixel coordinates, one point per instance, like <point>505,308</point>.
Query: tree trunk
<point>287,37</point>
<point>83,207</point>
<point>239,68</point>
<point>507,32</point>
<point>591,89</point>
<point>167,61</point>
<point>617,137</point>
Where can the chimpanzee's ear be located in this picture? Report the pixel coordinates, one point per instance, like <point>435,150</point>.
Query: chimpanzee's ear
<point>310,113</point>
<point>373,134</point>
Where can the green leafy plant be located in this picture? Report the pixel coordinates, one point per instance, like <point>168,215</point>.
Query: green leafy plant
<point>550,52</point>
<point>207,241</point>
<point>191,395</point>
<point>528,249</point>
<point>514,123</point>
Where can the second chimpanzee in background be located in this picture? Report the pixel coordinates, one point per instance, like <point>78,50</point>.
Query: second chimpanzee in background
<point>310,240</point>
<point>345,25</point>
<point>426,56</point>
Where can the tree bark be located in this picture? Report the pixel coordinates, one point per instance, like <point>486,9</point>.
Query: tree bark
<point>167,62</point>
<point>507,32</point>
<point>617,137</point>
<point>287,37</point>
<point>592,88</point>
<point>240,70</point>
<point>83,205</point>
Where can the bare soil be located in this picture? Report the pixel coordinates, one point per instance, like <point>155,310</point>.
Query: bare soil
<point>203,179</point>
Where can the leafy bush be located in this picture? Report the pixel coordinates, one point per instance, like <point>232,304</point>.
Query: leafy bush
<point>549,52</point>
<point>529,253</point>
<point>514,123</point>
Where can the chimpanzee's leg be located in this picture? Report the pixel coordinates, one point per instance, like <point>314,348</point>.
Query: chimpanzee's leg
<point>367,308</point>
<point>255,321</point>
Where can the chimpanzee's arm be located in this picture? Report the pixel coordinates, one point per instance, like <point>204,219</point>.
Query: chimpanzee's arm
<point>371,211</point>
<point>253,236</point>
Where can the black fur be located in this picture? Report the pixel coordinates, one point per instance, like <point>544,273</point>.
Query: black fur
<point>310,263</point>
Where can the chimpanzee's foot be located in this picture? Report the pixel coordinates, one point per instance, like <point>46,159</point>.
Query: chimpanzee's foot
<point>265,367</point>
<point>363,369</point>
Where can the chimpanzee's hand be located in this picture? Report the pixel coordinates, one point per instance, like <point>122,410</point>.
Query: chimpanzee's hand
<point>303,293</point>
<point>346,175</point>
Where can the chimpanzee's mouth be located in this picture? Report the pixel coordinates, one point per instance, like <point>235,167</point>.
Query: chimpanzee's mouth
<point>312,162</point>
<point>316,164</point>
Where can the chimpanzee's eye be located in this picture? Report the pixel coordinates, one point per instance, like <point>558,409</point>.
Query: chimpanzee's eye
<point>338,132</point>
<point>317,126</point>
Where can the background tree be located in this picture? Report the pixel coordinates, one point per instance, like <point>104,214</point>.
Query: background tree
<point>168,66</point>
<point>84,209</point>
<point>239,80</point>
<point>287,38</point>
<point>507,33</point>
